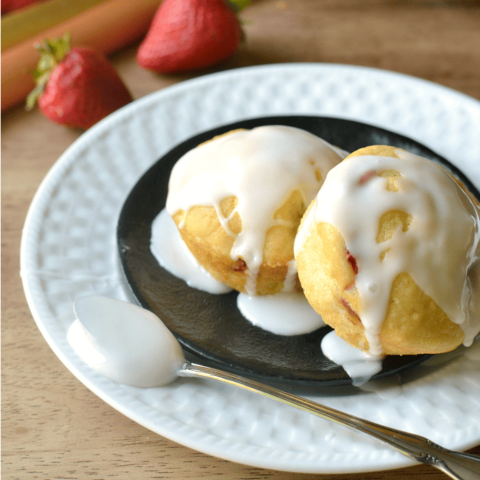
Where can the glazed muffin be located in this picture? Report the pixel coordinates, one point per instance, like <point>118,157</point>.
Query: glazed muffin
<point>387,254</point>
<point>239,198</point>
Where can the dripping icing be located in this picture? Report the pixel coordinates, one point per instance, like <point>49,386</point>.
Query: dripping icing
<point>261,168</point>
<point>443,235</point>
<point>286,313</point>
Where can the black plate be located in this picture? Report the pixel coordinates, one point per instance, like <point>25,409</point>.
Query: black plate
<point>210,326</point>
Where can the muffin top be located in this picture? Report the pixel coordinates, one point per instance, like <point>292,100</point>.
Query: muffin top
<point>431,232</point>
<point>259,170</point>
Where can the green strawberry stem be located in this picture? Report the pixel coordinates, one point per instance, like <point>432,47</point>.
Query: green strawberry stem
<point>238,5</point>
<point>52,52</point>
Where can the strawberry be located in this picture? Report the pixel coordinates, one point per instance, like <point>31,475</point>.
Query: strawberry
<point>189,35</point>
<point>75,87</point>
<point>351,260</point>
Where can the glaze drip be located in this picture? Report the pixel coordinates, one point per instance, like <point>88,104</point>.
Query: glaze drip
<point>261,168</point>
<point>439,248</point>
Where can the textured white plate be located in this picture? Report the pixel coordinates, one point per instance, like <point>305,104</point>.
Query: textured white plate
<point>69,250</point>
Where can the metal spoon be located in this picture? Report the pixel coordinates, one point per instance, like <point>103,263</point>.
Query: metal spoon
<point>122,341</point>
<point>460,466</point>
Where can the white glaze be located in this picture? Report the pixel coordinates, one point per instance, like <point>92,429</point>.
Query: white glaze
<point>261,168</point>
<point>360,366</point>
<point>173,254</point>
<point>282,314</point>
<point>124,342</point>
<point>291,278</point>
<point>439,248</point>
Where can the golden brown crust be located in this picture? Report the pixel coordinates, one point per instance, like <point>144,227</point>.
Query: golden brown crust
<point>375,150</point>
<point>211,244</point>
<point>414,323</point>
<point>327,279</point>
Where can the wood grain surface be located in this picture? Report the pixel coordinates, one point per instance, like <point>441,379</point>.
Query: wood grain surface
<point>55,428</point>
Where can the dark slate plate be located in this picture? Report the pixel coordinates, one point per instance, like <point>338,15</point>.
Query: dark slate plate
<point>210,326</point>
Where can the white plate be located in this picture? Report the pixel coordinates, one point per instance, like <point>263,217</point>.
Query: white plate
<point>69,250</point>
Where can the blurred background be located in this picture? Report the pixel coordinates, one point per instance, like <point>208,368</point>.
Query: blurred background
<point>51,423</point>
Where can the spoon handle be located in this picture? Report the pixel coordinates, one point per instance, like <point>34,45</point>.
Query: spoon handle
<point>460,466</point>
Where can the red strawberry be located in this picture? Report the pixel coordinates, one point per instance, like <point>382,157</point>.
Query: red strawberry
<point>76,87</point>
<point>351,260</point>
<point>189,35</point>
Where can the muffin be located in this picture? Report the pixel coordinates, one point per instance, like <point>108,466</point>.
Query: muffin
<point>239,198</point>
<point>388,254</point>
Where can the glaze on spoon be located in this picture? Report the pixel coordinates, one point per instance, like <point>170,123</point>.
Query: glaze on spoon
<point>124,342</point>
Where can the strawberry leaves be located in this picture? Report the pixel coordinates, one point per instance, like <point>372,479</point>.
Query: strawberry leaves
<point>238,5</point>
<point>52,52</point>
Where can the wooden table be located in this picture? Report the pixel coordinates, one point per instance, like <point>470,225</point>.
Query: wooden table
<point>53,426</point>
